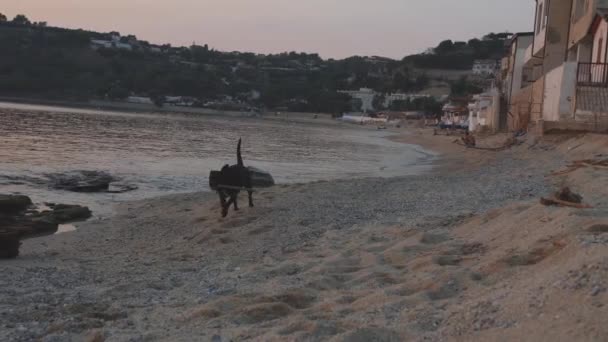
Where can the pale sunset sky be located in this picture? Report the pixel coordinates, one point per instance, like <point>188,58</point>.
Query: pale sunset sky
<point>332,28</point>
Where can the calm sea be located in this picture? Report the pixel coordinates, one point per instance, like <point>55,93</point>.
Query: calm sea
<point>173,153</point>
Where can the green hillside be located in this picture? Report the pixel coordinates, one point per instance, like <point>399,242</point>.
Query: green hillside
<point>54,63</point>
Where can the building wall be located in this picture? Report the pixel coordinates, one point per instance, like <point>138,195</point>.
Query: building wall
<point>536,99</point>
<point>560,92</point>
<point>567,104</point>
<point>520,110</point>
<point>581,17</point>
<point>559,13</point>
<point>523,42</point>
<point>599,43</point>
<point>540,28</point>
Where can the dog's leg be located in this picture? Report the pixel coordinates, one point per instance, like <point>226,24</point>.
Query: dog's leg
<point>235,198</point>
<point>223,203</point>
<point>250,193</point>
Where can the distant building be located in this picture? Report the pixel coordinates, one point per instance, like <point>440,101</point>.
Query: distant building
<point>97,44</point>
<point>114,43</point>
<point>484,111</point>
<point>456,111</point>
<point>181,101</point>
<point>366,96</point>
<point>514,73</point>
<point>390,98</point>
<point>485,67</point>
<point>107,44</point>
<point>139,99</point>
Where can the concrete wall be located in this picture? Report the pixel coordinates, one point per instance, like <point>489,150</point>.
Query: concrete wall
<point>553,82</point>
<point>581,18</point>
<point>519,110</point>
<point>559,14</point>
<point>537,98</point>
<point>567,105</point>
<point>599,43</point>
<point>492,119</point>
<point>560,92</point>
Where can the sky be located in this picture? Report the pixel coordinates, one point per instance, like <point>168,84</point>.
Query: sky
<point>332,28</point>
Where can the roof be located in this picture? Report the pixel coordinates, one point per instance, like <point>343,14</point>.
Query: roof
<point>520,34</point>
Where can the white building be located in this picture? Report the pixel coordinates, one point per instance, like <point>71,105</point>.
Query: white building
<point>366,96</point>
<point>484,111</point>
<point>97,44</point>
<point>390,98</point>
<point>139,99</point>
<point>113,43</point>
<point>485,67</point>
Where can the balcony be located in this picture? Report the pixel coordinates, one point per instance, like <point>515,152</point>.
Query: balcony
<point>602,7</point>
<point>592,75</point>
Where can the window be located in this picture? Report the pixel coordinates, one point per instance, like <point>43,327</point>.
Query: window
<point>539,17</point>
<point>546,15</point>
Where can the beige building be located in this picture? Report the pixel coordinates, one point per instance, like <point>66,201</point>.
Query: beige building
<point>587,49</point>
<point>564,71</point>
<point>514,81</point>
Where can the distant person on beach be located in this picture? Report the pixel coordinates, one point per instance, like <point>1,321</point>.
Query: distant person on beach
<point>469,140</point>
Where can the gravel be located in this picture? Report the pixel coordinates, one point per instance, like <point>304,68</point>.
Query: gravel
<point>120,278</point>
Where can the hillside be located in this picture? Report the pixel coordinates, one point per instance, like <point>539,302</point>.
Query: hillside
<point>55,63</point>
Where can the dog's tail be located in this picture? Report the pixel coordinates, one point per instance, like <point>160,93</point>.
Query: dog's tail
<point>239,158</point>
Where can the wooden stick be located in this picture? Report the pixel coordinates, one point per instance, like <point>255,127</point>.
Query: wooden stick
<point>563,172</point>
<point>596,166</point>
<point>555,201</point>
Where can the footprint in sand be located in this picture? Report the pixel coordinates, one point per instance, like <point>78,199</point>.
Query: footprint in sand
<point>225,240</point>
<point>260,230</point>
<point>239,222</point>
<point>433,239</point>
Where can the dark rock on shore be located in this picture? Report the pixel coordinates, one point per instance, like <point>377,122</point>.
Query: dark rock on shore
<point>14,204</point>
<point>29,228</point>
<point>17,223</point>
<point>81,181</point>
<point>9,244</point>
<point>75,181</point>
<point>64,213</point>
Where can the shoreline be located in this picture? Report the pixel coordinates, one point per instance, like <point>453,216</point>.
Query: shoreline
<point>464,252</point>
<point>100,203</point>
<point>134,108</point>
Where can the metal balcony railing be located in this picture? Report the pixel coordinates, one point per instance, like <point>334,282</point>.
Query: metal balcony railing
<point>592,74</point>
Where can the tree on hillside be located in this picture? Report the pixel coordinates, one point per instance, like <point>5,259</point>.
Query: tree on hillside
<point>3,18</point>
<point>463,87</point>
<point>21,19</point>
<point>444,47</point>
<point>474,44</point>
<point>460,45</point>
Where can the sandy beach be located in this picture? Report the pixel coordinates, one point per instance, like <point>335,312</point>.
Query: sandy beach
<point>464,252</point>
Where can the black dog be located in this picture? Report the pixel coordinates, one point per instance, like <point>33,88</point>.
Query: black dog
<point>229,181</point>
